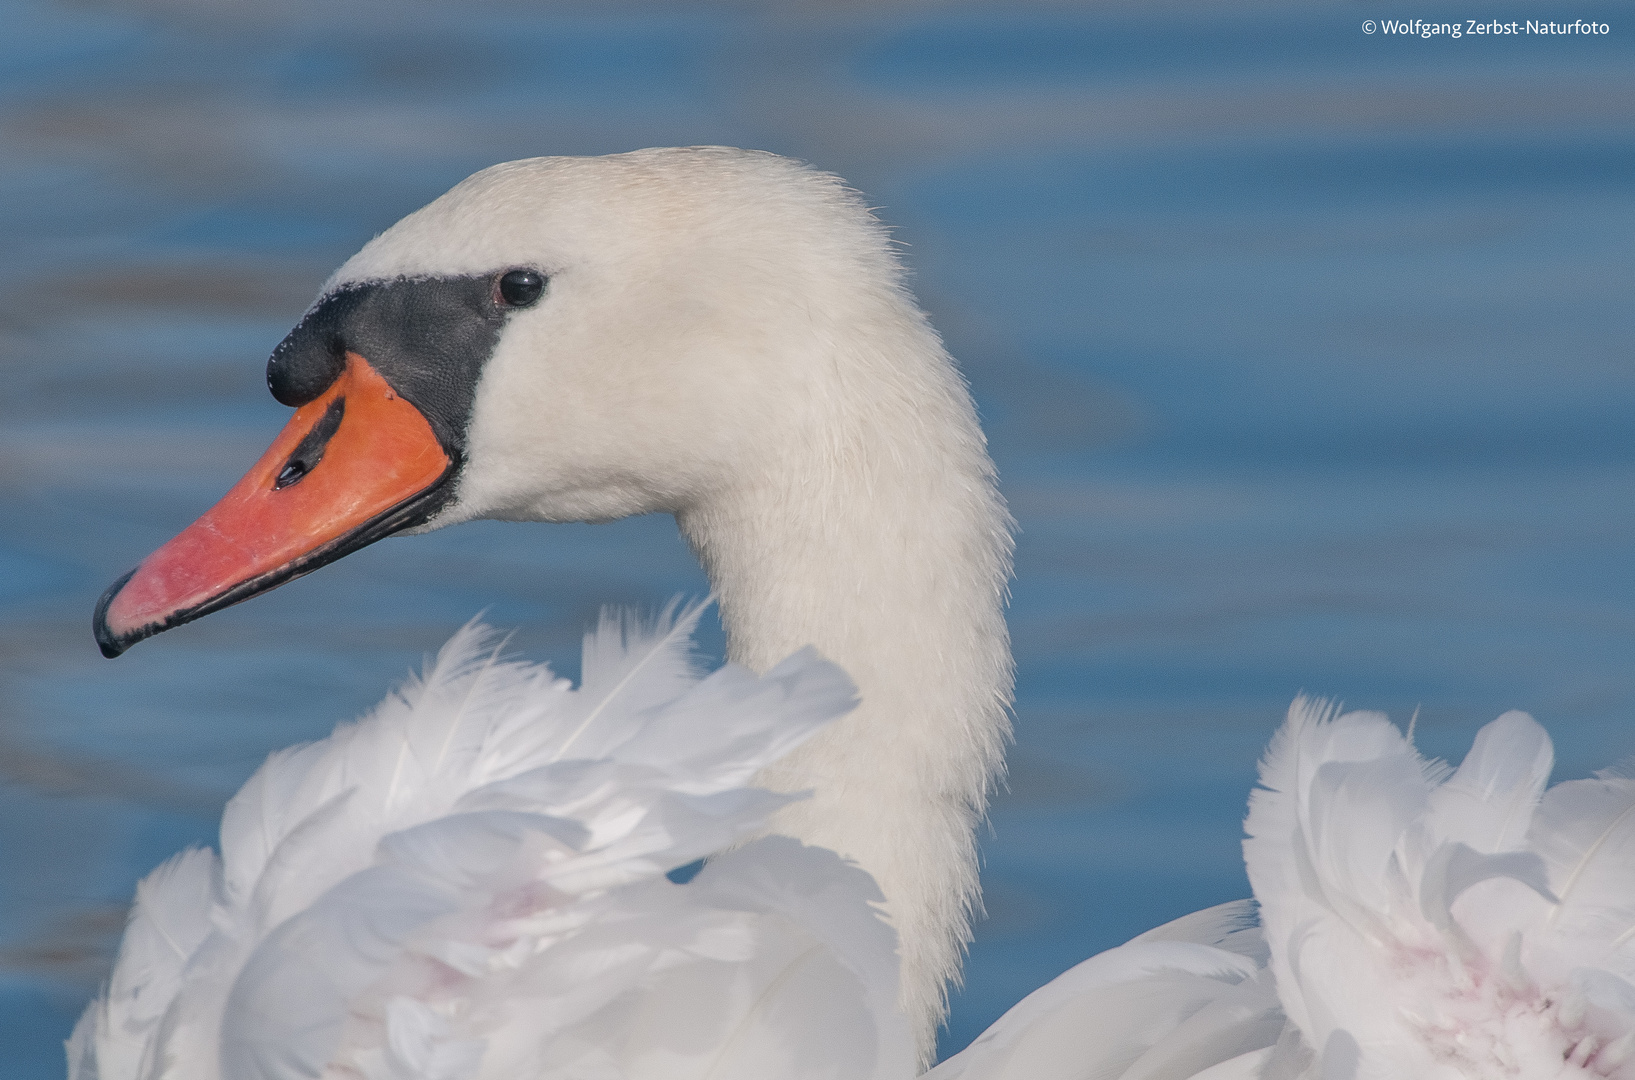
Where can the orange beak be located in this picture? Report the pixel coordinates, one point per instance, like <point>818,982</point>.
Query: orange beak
<point>354,465</point>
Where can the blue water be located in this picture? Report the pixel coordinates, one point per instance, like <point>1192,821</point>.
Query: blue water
<point>1305,354</point>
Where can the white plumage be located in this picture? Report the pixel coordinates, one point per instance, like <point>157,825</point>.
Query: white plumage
<point>1416,921</point>
<point>470,882</point>
<point>1435,923</point>
<point>1173,1002</point>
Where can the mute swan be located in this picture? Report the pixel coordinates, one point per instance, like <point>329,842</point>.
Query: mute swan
<point>468,883</point>
<point>718,334</point>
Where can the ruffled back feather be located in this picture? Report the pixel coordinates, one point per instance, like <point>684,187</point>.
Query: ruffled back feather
<point>469,883</point>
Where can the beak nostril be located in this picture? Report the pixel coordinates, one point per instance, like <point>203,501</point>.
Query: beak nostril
<point>290,474</point>
<point>310,450</point>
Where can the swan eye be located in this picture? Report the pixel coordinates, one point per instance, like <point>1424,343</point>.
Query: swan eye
<point>519,288</point>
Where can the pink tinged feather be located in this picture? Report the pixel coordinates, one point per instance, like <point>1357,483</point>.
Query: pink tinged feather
<point>771,962</point>
<point>1323,851</point>
<point>1329,853</point>
<point>1458,958</point>
<point>288,1006</point>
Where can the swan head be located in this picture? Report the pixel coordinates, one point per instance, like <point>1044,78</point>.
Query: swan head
<point>556,339</point>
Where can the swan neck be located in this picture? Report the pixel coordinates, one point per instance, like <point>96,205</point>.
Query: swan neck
<point>892,560</point>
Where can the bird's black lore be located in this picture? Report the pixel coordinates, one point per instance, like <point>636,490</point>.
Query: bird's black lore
<point>429,339</point>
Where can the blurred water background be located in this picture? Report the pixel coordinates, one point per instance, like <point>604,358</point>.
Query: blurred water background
<point>1306,357</point>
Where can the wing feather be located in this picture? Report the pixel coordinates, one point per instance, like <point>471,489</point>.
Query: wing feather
<point>491,836</point>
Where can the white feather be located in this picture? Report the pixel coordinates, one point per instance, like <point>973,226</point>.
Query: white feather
<point>1489,800</point>
<point>168,922</point>
<point>1168,1004</point>
<point>1585,830</point>
<point>634,664</point>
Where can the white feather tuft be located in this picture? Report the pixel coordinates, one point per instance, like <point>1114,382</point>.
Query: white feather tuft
<point>469,883</point>
<point>1412,912</point>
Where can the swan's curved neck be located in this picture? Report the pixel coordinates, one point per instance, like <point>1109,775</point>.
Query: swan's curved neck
<point>884,544</point>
